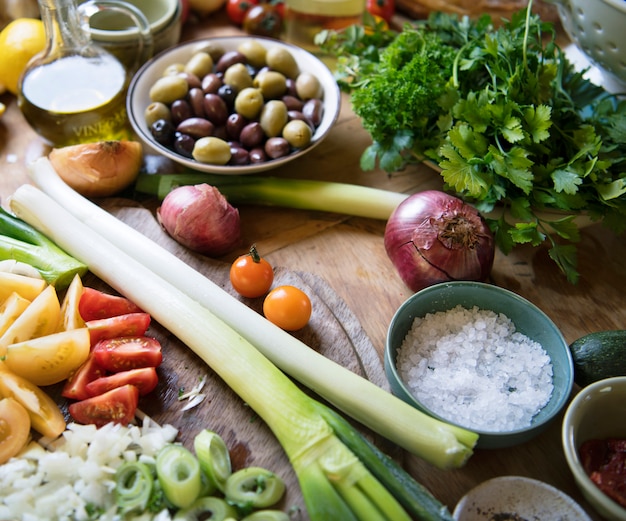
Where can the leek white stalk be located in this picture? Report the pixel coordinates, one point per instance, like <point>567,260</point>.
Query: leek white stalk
<point>330,475</point>
<point>437,442</point>
<point>324,196</point>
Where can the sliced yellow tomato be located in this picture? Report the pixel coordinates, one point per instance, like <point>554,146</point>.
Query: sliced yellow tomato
<point>14,428</point>
<point>12,308</point>
<point>70,317</point>
<point>49,359</point>
<point>27,287</point>
<point>45,416</point>
<point>40,318</point>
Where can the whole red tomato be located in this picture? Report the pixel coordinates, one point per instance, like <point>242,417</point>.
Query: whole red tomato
<point>383,8</point>
<point>263,20</point>
<point>237,9</point>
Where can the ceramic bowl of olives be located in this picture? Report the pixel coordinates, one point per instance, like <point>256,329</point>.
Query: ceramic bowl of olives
<point>233,105</point>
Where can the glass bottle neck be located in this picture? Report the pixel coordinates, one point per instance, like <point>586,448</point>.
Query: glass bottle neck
<point>63,27</point>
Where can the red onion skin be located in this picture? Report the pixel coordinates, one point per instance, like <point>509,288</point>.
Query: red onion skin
<point>200,218</point>
<point>434,237</point>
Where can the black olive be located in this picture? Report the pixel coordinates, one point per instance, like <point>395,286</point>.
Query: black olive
<point>163,132</point>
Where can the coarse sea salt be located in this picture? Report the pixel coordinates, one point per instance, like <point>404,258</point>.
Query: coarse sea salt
<point>471,367</point>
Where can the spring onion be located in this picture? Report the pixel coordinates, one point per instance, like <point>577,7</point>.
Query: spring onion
<point>439,443</point>
<point>133,486</point>
<point>266,515</point>
<point>335,484</point>
<point>325,196</point>
<point>208,508</point>
<point>254,487</point>
<point>22,243</point>
<point>214,458</point>
<point>179,475</point>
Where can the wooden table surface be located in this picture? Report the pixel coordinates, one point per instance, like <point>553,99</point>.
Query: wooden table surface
<point>348,253</point>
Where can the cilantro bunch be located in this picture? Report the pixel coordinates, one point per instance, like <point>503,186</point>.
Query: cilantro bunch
<point>501,112</point>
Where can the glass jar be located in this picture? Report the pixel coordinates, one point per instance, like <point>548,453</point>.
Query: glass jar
<point>305,18</point>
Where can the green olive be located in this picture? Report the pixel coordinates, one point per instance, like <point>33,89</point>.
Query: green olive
<point>273,118</point>
<point>273,84</point>
<point>211,150</point>
<point>254,52</point>
<point>238,77</point>
<point>308,86</point>
<point>214,50</point>
<point>168,89</point>
<point>155,111</point>
<point>297,133</point>
<point>173,69</point>
<point>249,102</point>
<point>199,64</point>
<point>281,60</point>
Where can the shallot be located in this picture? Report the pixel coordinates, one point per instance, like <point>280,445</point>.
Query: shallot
<point>200,218</point>
<point>434,237</point>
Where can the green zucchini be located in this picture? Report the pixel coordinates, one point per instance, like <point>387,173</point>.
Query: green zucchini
<point>599,355</point>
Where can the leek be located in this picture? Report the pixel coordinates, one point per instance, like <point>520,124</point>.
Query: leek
<point>439,443</point>
<point>22,243</point>
<point>325,196</point>
<point>335,484</point>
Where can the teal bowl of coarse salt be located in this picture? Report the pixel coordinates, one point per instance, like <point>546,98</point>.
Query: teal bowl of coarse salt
<point>480,357</point>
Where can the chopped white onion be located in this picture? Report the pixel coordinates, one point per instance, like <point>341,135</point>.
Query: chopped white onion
<point>63,479</point>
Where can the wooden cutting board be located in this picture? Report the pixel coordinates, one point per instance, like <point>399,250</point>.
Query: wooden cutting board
<point>333,331</point>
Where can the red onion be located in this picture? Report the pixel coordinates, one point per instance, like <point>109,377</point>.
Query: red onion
<point>200,218</point>
<point>434,237</point>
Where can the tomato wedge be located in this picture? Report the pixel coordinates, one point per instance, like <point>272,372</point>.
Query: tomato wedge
<point>41,317</point>
<point>130,324</point>
<point>76,386</point>
<point>49,359</point>
<point>117,406</point>
<point>14,428</point>
<point>45,416</point>
<point>70,316</point>
<point>125,353</point>
<point>11,309</point>
<point>26,287</point>
<point>95,305</point>
<point>144,378</point>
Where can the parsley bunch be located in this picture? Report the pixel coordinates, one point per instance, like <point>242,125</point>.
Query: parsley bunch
<point>503,114</point>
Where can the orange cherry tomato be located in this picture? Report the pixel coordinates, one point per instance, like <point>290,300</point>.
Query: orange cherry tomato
<point>251,275</point>
<point>287,307</point>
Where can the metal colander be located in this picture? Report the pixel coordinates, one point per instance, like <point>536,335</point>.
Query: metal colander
<point>598,28</point>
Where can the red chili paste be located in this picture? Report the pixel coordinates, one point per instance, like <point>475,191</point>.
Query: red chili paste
<point>604,462</point>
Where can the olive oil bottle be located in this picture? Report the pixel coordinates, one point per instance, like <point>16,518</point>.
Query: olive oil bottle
<point>74,92</point>
<point>93,109</point>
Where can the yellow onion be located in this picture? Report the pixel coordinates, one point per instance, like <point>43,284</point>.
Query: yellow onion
<point>200,218</point>
<point>434,237</point>
<point>99,169</point>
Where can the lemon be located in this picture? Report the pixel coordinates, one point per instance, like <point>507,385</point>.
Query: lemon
<point>19,42</point>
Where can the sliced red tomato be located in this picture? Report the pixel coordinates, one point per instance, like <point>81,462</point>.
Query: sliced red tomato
<point>95,305</point>
<point>125,353</point>
<point>144,378</point>
<point>117,405</point>
<point>76,386</point>
<point>130,324</point>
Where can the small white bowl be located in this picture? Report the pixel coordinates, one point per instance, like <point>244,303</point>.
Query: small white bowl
<point>598,411</point>
<point>139,99</point>
<point>517,498</point>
